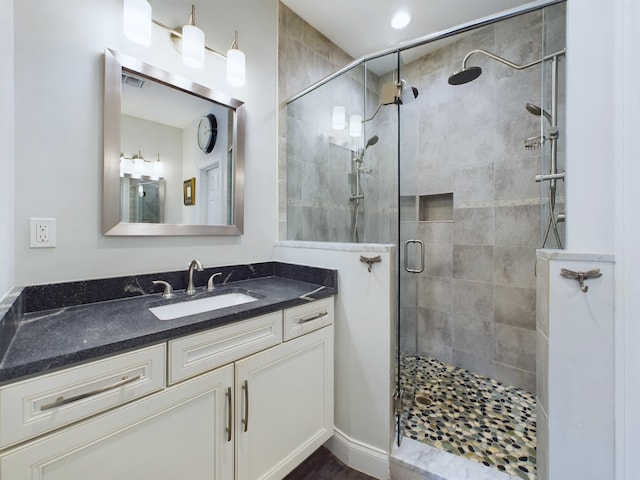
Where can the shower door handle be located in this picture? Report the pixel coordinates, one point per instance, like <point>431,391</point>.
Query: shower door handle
<point>406,256</point>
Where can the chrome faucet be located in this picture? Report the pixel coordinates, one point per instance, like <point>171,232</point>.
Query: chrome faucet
<point>197,265</point>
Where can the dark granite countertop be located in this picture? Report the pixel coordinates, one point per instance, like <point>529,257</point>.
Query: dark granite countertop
<point>71,329</point>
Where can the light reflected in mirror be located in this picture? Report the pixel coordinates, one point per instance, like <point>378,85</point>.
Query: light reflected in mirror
<point>162,133</point>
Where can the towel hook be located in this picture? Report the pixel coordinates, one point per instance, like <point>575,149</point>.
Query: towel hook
<point>581,276</point>
<point>370,260</point>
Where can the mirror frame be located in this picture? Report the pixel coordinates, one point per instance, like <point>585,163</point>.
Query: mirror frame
<point>114,63</point>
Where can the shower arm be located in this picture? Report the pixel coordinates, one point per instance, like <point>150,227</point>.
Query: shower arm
<point>507,62</point>
<point>374,114</point>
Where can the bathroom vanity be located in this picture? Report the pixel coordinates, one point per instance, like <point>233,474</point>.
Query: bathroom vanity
<point>245,398</point>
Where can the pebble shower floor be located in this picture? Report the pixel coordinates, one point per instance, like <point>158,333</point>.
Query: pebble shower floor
<point>470,415</point>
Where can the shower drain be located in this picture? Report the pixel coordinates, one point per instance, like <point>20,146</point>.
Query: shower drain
<point>422,400</point>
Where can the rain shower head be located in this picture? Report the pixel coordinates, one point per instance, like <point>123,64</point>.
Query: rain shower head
<point>537,111</point>
<point>466,75</point>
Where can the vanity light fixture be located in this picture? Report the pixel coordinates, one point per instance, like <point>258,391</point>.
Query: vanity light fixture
<point>157,168</point>
<point>235,63</point>
<point>140,166</point>
<point>355,125</point>
<point>401,19</point>
<point>192,43</point>
<point>338,118</point>
<point>137,21</point>
<point>189,38</point>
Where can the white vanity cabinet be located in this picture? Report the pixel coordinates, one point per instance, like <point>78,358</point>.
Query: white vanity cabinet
<point>283,395</point>
<point>239,403</point>
<point>284,405</point>
<point>178,433</point>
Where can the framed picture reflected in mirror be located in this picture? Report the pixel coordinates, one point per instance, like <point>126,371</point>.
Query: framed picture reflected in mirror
<point>189,191</point>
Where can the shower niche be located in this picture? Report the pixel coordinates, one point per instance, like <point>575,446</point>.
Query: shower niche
<point>435,208</point>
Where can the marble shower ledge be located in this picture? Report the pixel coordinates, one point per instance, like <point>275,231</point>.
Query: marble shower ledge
<point>575,256</point>
<point>341,246</point>
<point>57,325</point>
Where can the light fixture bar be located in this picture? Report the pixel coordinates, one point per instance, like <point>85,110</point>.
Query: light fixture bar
<point>189,39</point>
<point>177,33</point>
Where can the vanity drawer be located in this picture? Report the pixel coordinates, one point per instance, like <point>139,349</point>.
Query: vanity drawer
<point>307,318</point>
<point>32,407</point>
<point>201,352</point>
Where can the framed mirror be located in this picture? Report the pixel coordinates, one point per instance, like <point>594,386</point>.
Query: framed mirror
<point>173,154</point>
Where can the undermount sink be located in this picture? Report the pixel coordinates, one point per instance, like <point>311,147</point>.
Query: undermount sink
<point>192,307</point>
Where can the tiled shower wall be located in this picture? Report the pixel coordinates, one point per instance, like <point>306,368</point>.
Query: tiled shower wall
<point>316,176</point>
<point>474,305</point>
<point>304,57</point>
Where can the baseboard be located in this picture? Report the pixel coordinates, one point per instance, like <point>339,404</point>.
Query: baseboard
<point>359,456</point>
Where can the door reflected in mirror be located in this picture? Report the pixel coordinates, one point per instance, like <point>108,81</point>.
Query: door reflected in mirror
<point>161,130</point>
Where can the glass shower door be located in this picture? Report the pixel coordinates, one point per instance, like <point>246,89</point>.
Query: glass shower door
<point>411,254</point>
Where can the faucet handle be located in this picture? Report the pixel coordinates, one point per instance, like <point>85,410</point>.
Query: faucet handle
<point>168,289</point>
<point>210,285</point>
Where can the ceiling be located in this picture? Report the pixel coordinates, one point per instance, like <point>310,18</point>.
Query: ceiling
<point>362,27</point>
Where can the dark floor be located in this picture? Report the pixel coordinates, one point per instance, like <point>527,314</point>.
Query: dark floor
<point>323,465</point>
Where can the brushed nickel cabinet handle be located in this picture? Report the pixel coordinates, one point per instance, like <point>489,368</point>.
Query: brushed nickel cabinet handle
<point>229,423</point>
<point>64,401</point>
<point>324,313</point>
<point>245,420</point>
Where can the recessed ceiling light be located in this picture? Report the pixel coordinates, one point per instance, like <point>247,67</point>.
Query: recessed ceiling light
<point>401,19</point>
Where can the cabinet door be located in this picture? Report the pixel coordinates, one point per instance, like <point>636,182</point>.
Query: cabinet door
<point>179,433</point>
<point>284,405</point>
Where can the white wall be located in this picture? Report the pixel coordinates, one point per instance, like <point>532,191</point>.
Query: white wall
<point>591,96</point>
<point>365,340</point>
<point>7,200</point>
<point>603,121</point>
<point>580,369</point>
<point>627,239</point>
<point>59,50</point>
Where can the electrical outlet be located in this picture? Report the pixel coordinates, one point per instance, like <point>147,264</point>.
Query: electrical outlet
<point>42,232</point>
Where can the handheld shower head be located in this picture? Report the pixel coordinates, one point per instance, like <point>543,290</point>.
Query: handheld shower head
<point>537,111</point>
<point>372,141</point>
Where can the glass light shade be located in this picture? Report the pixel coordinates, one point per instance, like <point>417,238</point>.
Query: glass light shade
<point>338,119</point>
<point>192,46</point>
<point>137,21</point>
<point>157,169</point>
<point>355,125</point>
<point>235,67</point>
<point>138,165</point>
